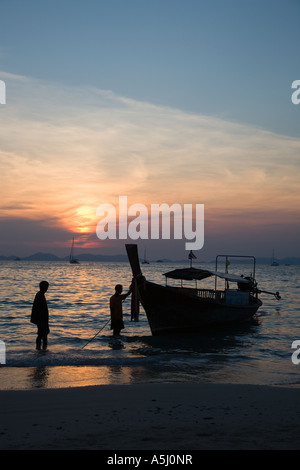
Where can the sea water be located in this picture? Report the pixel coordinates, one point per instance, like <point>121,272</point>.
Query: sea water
<point>257,352</point>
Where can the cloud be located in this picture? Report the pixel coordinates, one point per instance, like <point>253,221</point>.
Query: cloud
<point>63,149</point>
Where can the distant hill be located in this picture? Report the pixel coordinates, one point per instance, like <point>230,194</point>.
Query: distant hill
<point>42,257</point>
<point>81,257</point>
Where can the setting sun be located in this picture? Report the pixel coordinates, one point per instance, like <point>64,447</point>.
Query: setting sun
<point>85,219</point>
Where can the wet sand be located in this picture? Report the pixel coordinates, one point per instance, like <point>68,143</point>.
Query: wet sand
<point>151,417</point>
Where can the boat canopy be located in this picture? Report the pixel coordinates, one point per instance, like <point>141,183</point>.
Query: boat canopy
<point>189,274</point>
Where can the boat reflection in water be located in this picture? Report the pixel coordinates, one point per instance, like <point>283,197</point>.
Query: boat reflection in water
<point>171,309</point>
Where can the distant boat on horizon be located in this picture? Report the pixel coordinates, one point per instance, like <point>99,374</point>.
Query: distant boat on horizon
<point>273,261</point>
<point>145,261</point>
<point>72,259</point>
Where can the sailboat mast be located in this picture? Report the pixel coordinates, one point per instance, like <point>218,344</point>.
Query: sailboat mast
<point>72,249</point>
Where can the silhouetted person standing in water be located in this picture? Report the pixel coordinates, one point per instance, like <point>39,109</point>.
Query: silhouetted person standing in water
<point>40,315</point>
<point>116,309</point>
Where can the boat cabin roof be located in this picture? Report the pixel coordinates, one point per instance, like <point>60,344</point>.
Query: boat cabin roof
<point>189,274</point>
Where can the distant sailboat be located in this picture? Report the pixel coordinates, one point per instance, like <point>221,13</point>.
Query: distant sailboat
<point>145,261</point>
<point>72,259</point>
<point>273,261</point>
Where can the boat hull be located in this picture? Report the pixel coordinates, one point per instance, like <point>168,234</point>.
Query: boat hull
<point>174,309</point>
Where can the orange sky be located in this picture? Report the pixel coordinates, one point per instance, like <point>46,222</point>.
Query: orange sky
<point>61,157</point>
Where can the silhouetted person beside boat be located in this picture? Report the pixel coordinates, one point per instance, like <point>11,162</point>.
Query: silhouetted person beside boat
<point>116,309</point>
<point>40,315</point>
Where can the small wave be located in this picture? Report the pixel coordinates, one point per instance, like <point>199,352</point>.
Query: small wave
<point>72,358</point>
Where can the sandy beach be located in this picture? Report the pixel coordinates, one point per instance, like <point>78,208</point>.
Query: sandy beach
<point>151,417</point>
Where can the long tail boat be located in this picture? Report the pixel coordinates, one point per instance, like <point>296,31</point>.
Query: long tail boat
<point>173,309</point>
